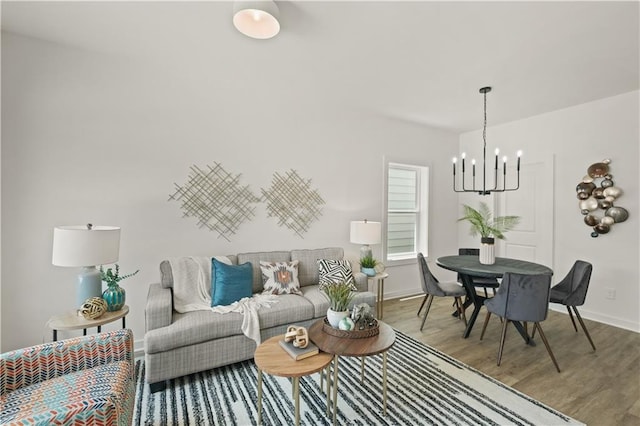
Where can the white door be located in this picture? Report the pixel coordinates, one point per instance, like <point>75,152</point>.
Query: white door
<point>532,239</point>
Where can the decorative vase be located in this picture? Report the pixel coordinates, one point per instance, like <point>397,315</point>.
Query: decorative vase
<point>487,251</point>
<point>370,272</point>
<point>115,297</point>
<point>335,317</point>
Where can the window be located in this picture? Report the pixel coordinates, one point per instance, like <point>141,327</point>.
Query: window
<point>406,216</point>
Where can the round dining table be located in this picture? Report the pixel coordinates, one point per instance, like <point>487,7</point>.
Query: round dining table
<point>469,266</point>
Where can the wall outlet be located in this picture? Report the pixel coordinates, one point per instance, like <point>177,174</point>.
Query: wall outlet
<point>611,293</point>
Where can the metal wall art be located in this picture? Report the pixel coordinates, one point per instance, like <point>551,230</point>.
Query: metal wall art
<point>216,198</point>
<point>597,194</point>
<point>218,201</point>
<point>292,200</point>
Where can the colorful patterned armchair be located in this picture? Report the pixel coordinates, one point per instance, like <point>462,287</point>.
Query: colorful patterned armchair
<point>82,380</point>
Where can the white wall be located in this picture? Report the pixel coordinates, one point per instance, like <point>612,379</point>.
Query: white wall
<point>90,137</point>
<point>576,138</point>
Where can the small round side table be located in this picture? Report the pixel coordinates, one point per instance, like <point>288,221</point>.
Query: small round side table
<point>379,279</point>
<point>272,359</point>
<point>71,320</point>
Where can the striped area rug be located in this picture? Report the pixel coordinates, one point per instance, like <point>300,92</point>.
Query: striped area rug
<point>425,387</point>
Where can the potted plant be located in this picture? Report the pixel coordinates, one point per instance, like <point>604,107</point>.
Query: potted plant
<point>367,266</point>
<point>489,228</point>
<point>340,296</point>
<point>114,295</point>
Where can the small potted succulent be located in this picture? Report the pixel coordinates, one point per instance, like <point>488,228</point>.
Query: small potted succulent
<point>340,295</point>
<point>367,266</point>
<point>489,228</point>
<point>114,295</point>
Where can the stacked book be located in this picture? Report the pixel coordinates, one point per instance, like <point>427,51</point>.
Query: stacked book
<point>299,353</point>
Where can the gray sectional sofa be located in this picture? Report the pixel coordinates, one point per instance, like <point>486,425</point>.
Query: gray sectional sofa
<point>177,344</point>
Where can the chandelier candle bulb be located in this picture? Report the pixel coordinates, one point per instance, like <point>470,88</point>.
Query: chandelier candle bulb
<point>497,152</point>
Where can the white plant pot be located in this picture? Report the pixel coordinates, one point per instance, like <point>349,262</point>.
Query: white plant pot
<point>487,251</point>
<point>334,317</point>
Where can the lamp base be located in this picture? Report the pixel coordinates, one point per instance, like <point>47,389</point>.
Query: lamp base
<point>365,251</point>
<point>88,285</point>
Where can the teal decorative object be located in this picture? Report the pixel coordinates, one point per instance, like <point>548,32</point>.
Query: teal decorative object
<point>115,296</point>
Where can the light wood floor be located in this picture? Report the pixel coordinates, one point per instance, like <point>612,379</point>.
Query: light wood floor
<point>597,388</point>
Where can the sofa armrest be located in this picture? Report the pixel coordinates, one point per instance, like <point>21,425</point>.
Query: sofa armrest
<point>362,281</point>
<point>159,308</point>
<point>24,367</point>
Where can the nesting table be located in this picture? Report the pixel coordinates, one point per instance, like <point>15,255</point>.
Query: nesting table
<point>342,346</point>
<point>270,358</point>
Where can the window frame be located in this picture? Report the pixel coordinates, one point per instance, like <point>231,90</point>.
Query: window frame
<point>421,210</point>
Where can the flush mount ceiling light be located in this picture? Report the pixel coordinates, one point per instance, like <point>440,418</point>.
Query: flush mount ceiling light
<point>256,19</point>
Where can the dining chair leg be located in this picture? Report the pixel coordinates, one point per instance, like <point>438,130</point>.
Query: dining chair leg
<point>484,327</point>
<point>502,339</point>
<point>584,327</point>
<point>526,328</point>
<point>546,344</point>
<point>572,320</point>
<point>426,311</point>
<point>485,292</point>
<point>422,304</point>
<point>533,333</point>
<point>462,313</point>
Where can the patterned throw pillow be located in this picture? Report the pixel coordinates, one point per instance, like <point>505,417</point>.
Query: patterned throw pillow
<point>280,277</point>
<point>335,271</point>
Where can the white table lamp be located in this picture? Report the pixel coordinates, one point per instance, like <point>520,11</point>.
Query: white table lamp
<point>365,232</point>
<point>86,246</point>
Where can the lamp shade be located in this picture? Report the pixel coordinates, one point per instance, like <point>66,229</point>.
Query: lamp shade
<point>256,19</point>
<point>365,232</point>
<point>81,246</point>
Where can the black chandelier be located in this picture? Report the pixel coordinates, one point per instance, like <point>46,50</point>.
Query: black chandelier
<point>484,190</point>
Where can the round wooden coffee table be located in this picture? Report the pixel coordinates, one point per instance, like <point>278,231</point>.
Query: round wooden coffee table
<point>272,359</point>
<point>342,346</point>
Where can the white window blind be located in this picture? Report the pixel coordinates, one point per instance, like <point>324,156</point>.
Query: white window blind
<point>403,211</point>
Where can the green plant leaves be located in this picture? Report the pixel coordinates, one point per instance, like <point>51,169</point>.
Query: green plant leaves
<point>482,223</point>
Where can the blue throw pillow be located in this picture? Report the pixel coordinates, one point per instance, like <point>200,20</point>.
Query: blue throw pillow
<point>230,283</point>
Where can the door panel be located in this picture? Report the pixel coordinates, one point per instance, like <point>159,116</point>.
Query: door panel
<point>532,239</point>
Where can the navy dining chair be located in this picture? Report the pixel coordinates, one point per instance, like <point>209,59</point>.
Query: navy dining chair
<point>480,282</point>
<point>522,298</point>
<point>572,291</point>
<point>434,288</point>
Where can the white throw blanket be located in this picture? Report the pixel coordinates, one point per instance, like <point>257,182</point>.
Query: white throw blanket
<point>248,307</point>
<point>192,292</point>
<point>192,282</point>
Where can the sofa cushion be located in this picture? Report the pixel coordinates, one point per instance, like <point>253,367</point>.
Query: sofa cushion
<point>308,262</point>
<point>230,283</point>
<point>91,396</point>
<point>320,302</point>
<point>289,309</point>
<point>334,272</point>
<point>280,277</point>
<point>256,257</point>
<point>191,328</point>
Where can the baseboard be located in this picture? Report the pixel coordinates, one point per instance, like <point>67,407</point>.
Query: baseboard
<point>403,293</point>
<point>595,316</point>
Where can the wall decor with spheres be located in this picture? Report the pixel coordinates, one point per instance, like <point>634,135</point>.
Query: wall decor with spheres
<point>597,194</point>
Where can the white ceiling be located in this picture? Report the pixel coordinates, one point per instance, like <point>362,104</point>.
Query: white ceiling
<point>422,62</point>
